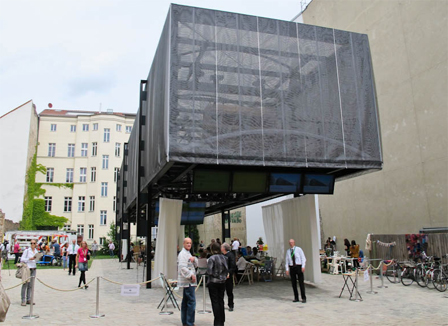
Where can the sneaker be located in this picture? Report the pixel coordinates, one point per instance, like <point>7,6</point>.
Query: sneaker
<point>85,287</point>
<point>230,308</point>
<point>295,300</point>
<point>29,302</point>
<point>23,304</point>
<point>303,301</point>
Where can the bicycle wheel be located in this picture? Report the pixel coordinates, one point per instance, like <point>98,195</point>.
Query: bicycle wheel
<point>429,277</point>
<point>420,276</point>
<point>393,273</point>
<point>407,277</point>
<point>440,280</point>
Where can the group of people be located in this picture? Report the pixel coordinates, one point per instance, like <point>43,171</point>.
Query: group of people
<point>74,255</point>
<point>221,266</point>
<point>351,249</point>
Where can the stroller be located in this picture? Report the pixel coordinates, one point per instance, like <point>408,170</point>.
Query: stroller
<point>50,260</point>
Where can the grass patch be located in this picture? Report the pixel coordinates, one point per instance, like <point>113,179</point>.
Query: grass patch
<point>6,266</point>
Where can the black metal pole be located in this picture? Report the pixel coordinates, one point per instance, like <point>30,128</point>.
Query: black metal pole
<point>223,225</point>
<point>149,224</point>
<point>228,225</point>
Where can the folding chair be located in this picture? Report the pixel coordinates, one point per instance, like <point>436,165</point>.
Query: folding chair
<point>168,293</point>
<point>281,270</point>
<point>247,273</point>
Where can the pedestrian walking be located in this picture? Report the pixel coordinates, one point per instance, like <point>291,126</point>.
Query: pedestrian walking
<point>94,248</point>
<point>16,251</point>
<point>82,262</point>
<point>111,248</point>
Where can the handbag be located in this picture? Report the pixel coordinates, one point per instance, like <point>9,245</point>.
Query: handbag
<point>4,303</point>
<point>19,273</point>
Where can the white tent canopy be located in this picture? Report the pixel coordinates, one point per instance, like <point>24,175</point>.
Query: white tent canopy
<point>294,219</point>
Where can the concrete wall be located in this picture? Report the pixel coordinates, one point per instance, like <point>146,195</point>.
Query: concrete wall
<point>409,47</point>
<point>18,140</point>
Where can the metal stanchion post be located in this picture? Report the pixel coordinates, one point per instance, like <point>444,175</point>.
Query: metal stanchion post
<point>203,311</point>
<point>31,316</point>
<point>369,271</point>
<point>97,313</point>
<point>382,276</point>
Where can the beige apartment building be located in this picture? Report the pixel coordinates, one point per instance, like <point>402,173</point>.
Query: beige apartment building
<point>82,152</point>
<point>409,45</point>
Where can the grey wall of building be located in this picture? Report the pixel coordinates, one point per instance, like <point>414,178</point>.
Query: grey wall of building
<point>408,42</point>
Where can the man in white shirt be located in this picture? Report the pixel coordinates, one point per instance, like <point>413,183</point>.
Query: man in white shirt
<point>187,280</point>
<point>235,246</point>
<point>72,251</point>
<point>295,267</point>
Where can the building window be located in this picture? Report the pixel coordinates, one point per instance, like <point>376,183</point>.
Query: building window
<point>102,241</point>
<point>71,150</point>
<point>118,127</point>
<point>91,231</point>
<point>94,149</point>
<point>116,171</point>
<point>50,174</point>
<point>72,128</point>
<point>48,201</point>
<point>67,204</point>
<point>103,189</point>
<point>93,174</point>
<point>92,204</point>
<point>128,129</point>
<point>115,203</point>
<point>51,149</point>
<point>69,175</point>
<point>85,127</point>
<point>117,149</point>
<point>81,204</point>
<point>53,127</point>
<point>67,227</point>
<point>103,218</point>
<point>106,135</point>
<point>80,229</point>
<point>82,174</point>
<point>84,147</point>
<point>95,126</point>
<point>105,162</point>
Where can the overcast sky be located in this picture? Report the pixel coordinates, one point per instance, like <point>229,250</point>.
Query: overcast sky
<point>78,54</point>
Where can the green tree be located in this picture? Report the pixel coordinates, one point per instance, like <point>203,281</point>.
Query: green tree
<point>34,215</point>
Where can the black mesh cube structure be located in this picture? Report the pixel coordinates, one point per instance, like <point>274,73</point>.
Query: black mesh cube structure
<point>231,91</point>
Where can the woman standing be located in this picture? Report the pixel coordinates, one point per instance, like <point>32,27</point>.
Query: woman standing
<point>217,269</point>
<point>354,250</point>
<point>64,255</point>
<point>82,263</point>
<point>29,258</point>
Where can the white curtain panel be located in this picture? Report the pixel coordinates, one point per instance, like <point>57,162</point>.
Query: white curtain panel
<point>181,236</point>
<point>165,260</point>
<point>294,219</point>
<point>273,226</point>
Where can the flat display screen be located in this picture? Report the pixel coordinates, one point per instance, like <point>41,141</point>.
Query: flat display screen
<point>318,184</point>
<point>211,181</point>
<point>285,182</point>
<point>249,182</point>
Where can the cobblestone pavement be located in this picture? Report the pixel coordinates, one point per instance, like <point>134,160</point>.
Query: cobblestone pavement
<point>264,303</point>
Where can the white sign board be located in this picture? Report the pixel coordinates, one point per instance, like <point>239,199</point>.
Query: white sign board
<point>130,290</point>
<point>366,276</point>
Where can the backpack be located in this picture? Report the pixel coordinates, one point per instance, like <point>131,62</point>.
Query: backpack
<point>19,272</point>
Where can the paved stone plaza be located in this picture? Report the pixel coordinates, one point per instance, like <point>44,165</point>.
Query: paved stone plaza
<point>263,303</point>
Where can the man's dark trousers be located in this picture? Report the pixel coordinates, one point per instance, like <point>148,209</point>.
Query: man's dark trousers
<point>71,264</point>
<point>296,274</point>
<point>229,290</point>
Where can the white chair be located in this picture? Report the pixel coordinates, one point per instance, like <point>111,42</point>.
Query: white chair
<point>334,266</point>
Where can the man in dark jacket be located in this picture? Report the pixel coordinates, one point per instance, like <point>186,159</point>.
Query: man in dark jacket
<point>231,263</point>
